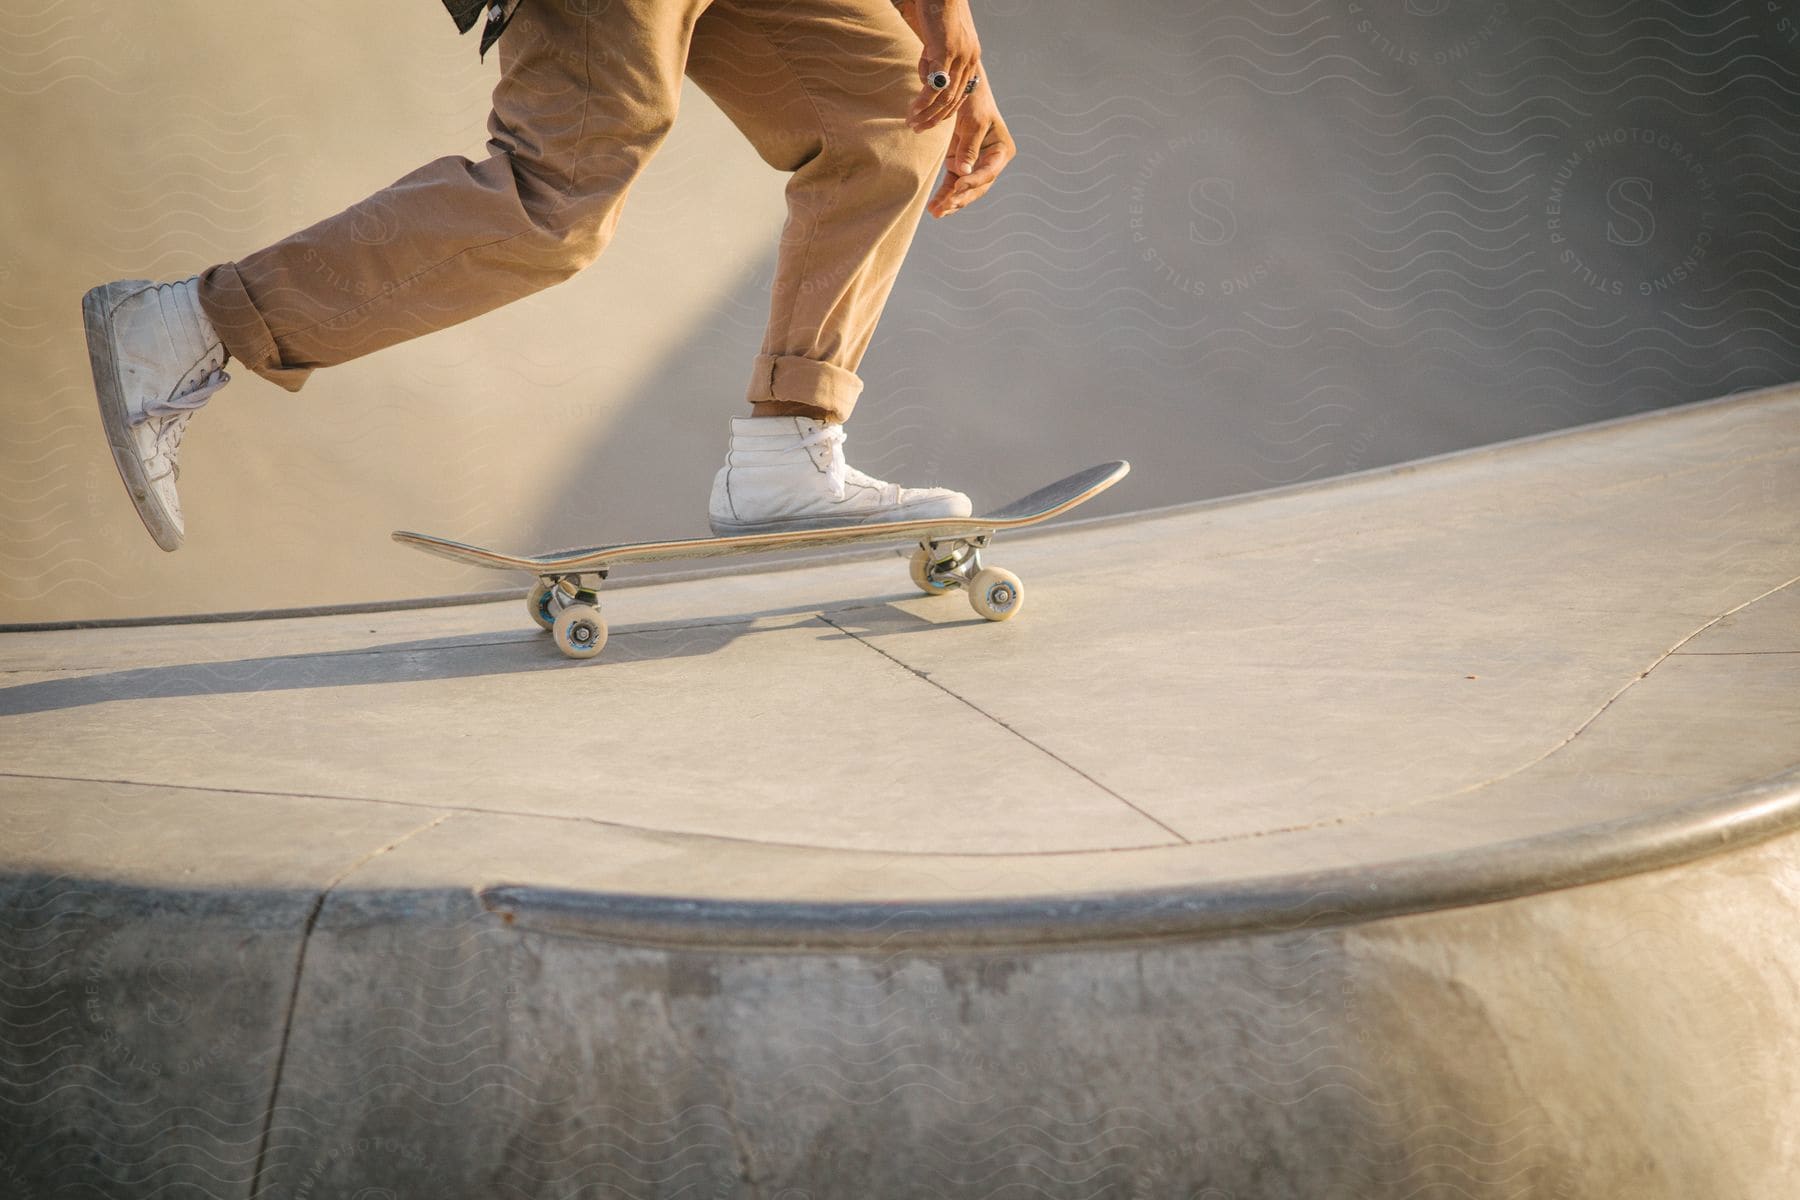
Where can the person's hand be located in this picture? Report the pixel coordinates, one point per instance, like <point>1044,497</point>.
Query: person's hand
<point>980,148</point>
<point>951,46</point>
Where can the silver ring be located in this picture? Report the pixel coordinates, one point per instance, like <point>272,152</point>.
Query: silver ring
<point>973,80</point>
<point>938,79</point>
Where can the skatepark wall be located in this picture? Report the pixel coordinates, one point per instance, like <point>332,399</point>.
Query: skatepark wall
<point>1245,245</point>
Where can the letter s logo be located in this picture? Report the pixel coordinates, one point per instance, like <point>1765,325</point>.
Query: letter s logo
<point>170,1001</point>
<point>1210,201</point>
<point>1629,199</point>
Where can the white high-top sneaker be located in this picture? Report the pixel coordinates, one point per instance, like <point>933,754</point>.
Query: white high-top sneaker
<point>787,473</point>
<point>156,358</point>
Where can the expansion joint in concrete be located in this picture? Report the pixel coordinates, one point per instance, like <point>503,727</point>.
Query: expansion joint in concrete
<point>313,913</point>
<point>986,715</point>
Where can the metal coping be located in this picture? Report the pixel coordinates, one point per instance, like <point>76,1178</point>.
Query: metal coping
<point>1508,870</point>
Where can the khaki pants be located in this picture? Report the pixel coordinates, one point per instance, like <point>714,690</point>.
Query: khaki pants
<point>588,90</point>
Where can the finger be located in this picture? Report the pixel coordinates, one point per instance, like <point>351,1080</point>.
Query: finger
<point>943,103</point>
<point>987,169</point>
<point>943,201</point>
<point>940,198</point>
<point>945,195</point>
<point>964,190</point>
<point>960,158</point>
<point>928,66</point>
<point>920,103</point>
<point>953,96</point>
<point>928,101</point>
<point>956,194</point>
<point>927,110</point>
<point>960,198</point>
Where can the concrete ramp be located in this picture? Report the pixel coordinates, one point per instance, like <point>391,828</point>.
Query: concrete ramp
<point>1422,832</point>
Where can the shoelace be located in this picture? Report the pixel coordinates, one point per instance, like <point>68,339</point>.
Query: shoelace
<point>832,438</point>
<point>839,473</point>
<point>175,412</point>
<point>168,443</point>
<point>187,402</point>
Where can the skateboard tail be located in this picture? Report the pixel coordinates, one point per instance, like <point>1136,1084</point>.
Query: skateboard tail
<point>459,552</point>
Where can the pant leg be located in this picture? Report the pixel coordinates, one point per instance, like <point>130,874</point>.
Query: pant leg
<point>821,89</point>
<point>587,92</point>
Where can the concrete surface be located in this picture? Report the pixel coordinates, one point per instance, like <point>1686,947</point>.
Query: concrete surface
<point>1422,832</point>
<point>1246,243</point>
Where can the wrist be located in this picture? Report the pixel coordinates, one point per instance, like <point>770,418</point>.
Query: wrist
<point>909,12</point>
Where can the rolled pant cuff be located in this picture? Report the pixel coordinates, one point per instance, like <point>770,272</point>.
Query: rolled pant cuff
<point>794,380</point>
<point>227,304</point>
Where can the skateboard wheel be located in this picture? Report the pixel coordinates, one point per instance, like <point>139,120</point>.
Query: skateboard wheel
<point>996,593</point>
<point>920,565</point>
<point>579,631</point>
<point>538,603</point>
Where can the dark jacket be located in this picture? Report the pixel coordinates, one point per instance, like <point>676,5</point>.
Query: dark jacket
<point>466,12</point>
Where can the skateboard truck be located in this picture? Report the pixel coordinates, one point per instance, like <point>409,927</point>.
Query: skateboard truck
<point>942,565</point>
<point>570,610</point>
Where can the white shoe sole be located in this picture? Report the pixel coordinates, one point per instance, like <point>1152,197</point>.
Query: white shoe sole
<point>115,418</point>
<point>924,512</point>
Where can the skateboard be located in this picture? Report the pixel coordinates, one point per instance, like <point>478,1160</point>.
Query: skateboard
<point>565,599</point>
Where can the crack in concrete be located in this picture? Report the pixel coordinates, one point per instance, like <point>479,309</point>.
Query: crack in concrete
<point>1628,685</point>
<point>1349,818</point>
<point>1038,746</point>
<point>287,1024</point>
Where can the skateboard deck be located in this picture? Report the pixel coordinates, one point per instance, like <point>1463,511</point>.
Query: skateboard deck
<point>949,557</point>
